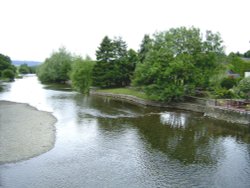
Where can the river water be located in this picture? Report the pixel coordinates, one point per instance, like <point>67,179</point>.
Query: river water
<point>102,142</point>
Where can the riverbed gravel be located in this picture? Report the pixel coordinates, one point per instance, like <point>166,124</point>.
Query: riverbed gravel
<point>25,132</point>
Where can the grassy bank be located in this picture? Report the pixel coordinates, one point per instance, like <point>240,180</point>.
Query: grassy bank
<point>125,91</point>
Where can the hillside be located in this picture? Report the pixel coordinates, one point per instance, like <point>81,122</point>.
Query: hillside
<point>29,63</point>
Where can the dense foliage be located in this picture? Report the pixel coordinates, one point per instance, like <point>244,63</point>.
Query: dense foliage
<point>169,65</point>
<point>81,74</point>
<point>56,68</point>
<point>229,82</point>
<point>25,69</point>
<point>114,64</point>
<point>145,47</point>
<point>179,61</point>
<point>7,70</point>
<point>238,65</point>
<point>244,88</point>
<point>247,54</point>
<point>9,74</point>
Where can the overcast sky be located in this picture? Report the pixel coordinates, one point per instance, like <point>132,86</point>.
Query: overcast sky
<point>32,29</point>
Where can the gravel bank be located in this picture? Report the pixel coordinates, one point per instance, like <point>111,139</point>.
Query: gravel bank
<point>25,132</point>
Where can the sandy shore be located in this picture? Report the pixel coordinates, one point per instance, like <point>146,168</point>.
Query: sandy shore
<point>25,132</point>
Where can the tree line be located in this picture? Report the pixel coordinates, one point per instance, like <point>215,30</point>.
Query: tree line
<point>7,70</point>
<point>167,66</point>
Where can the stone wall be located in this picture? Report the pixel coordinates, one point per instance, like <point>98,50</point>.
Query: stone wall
<point>228,115</point>
<point>204,106</point>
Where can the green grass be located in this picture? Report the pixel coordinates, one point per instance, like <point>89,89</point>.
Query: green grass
<point>125,91</point>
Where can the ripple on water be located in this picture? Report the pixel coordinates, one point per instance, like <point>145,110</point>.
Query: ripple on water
<point>106,143</point>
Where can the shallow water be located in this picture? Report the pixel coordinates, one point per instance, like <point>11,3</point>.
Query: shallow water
<point>107,143</point>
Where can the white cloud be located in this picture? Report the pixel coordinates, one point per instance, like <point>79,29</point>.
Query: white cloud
<point>31,29</point>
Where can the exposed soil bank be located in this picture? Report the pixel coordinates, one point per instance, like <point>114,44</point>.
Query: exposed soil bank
<point>25,132</point>
<point>197,105</point>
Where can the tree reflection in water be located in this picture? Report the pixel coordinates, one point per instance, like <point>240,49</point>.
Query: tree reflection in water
<point>174,120</point>
<point>188,137</point>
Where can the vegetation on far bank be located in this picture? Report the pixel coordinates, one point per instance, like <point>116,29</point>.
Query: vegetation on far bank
<point>7,70</point>
<point>167,66</point>
<point>25,69</point>
<point>81,74</point>
<point>62,67</point>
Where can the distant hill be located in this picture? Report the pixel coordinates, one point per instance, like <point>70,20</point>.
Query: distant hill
<point>29,63</point>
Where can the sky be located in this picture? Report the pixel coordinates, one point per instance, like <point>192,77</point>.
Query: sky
<point>33,29</point>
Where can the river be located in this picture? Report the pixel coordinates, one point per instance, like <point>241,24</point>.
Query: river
<point>101,142</point>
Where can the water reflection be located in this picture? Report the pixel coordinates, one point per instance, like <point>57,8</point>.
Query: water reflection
<point>190,139</point>
<point>107,143</point>
<point>174,120</point>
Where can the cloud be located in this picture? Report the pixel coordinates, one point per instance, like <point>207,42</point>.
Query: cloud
<point>32,29</point>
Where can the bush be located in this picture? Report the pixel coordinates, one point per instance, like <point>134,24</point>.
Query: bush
<point>81,75</point>
<point>243,88</point>
<point>8,73</point>
<point>229,83</point>
<point>56,68</point>
<point>238,65</point>
<point>225,94</point>
<point>5,64</point>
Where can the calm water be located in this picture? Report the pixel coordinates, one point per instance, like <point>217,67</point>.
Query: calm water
<point>106,143</point>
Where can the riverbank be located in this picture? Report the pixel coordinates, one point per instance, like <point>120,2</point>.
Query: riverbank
<point>195,105</point>
<point>25,132</point>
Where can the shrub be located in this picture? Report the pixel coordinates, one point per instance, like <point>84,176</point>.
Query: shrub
<point>243,87</point>
<point>222,93</point>
<point>8,73</point>
<point>56,68</point>
<point>81,75</point>
<point>229,83</point>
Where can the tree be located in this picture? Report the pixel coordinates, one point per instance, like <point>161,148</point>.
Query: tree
<point>5,64</point>
<point>8,73</point>
<point>213,43</point>
<point>113,67</point>
<point>247,54</point>
<point>144,48</point>
<point>56,68</point>
<point>178,61</point>
<point>121,77</point>
<point>24,69</point>
<point>81,74</point>
<point>102,72</point>
<point>132,60</point>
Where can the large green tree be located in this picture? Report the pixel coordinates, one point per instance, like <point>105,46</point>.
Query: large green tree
<point>178,61</point>
<point>56,68</point>
<point>144,48</point>
<point>114,65</point>
<point>132,61</point>
<point>103,72</point>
